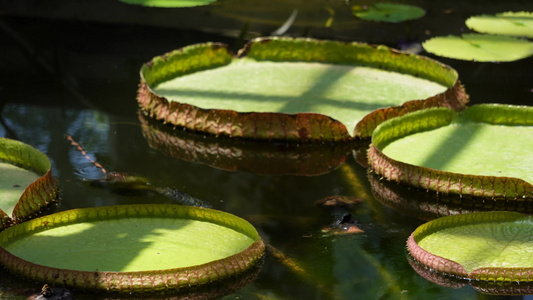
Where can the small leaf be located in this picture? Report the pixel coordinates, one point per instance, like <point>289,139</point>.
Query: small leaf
<point>480,47</point>
<point>387,12</point>
<point>508,23</point>
<point>169,3</point>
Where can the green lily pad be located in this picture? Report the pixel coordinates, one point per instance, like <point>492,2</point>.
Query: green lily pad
<point>292,89</point>
<point>169,3</point>
<point>132,248</point>
<point>388,12</point>
<point>26,182</point>
<point>508,23</point>
<point>480,47</point>
<point>488,246</point>
<point>485,151</point>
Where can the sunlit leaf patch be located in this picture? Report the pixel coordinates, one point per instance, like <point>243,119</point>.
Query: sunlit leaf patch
<point>507,23</point>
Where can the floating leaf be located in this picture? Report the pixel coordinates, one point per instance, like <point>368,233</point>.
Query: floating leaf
<point>292,89</point>
<point>480,47</point>
<point>388,12</point>
<point>508,23</point>
<point>132,248</point>
<point>484,151</point>
<point>487,246</point>
<point>26,182</point>
<point>169,3</point>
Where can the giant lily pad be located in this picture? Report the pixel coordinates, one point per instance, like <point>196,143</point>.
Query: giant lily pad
<point>292,89</point>
<point>480,47</point>
<point>484,151</point>
<point>508,23</point>
<point>488,246</point>
<point>132,248</point>
<point>26,182</point>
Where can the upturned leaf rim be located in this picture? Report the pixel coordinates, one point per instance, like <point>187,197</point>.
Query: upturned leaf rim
<point>173,279</point>
<point>37,195</point>
<point>298,127</point>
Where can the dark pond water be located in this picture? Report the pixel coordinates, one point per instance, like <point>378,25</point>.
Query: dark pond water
<point>72,68</point>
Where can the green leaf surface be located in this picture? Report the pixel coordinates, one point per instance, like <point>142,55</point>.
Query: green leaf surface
<point>148,243</point>
<point>26,182</point>
<point>494,246</point>
<point>508,23</point>
<point>388,12</point>
<point>345,93</point>
<point>480,47</point>
<point>13,182</point>
<point>130,243</point>
<point>169,3</point>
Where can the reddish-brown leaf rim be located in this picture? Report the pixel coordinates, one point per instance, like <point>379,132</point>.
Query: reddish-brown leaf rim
<point>39,194</point>
<point>142,281</point>
<point>300,127</point>
<point>251,156</point>
<point>484,287</point>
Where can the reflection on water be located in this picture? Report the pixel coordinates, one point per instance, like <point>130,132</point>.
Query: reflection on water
<point>104,59</point>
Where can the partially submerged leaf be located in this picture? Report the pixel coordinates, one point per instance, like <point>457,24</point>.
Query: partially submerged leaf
<point>292,89</point>
<point>480,47</point>
<point>132,248</point>
<point>489,246</point>
<point>26,182</point>
<point>507,23</point>
<point>485,151</point>
<point>388,12</point>
<point>169,3</point>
